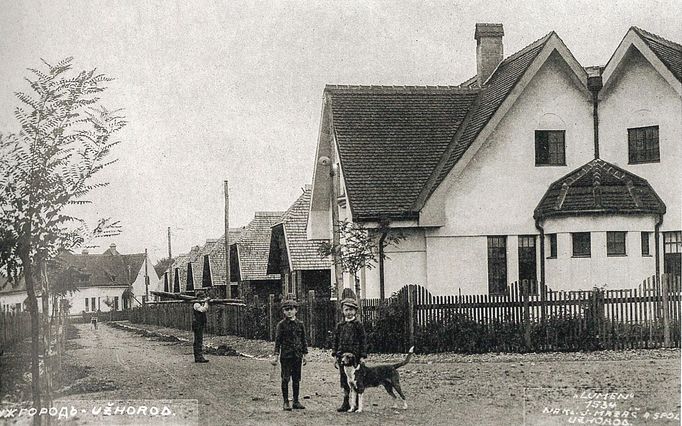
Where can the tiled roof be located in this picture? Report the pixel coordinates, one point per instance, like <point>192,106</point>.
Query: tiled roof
<point>599,187</point>
<point>6,286</point>
<point>302,252</point>
<point>254,245</point>
<point>494,92</point>
<point>669,52</point>
<point>179,264</point>
<point>106,269</point>
<point>397,144</point>
<point>217,256</point>
<point>390,139</point>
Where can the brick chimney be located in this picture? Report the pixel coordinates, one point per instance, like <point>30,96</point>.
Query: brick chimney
<point>489,50</point>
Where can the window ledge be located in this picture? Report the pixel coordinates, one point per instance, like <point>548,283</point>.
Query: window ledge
<point>647,255</point>
<point>617,255</point>
<point>581,256</point>
<point>634,163</point>
<point>551,257</point>
<point>550,165</point>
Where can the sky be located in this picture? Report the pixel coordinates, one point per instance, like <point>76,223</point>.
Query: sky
<point>217,91</point>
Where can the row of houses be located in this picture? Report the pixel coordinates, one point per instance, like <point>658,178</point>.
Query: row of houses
<point>537,168</point>
<point>270,255</point>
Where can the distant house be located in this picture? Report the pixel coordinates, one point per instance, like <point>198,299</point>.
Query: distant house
<point>12,299</point>
<point>252,251</point>
<point>536,169</point>
<point>109,281</point>
<point>295,257</point>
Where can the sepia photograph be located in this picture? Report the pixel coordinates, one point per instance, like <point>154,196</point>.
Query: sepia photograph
<point>292,212</point>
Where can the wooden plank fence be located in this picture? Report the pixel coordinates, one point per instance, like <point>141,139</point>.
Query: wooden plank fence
<point>516,321</point>
<point>14,327</point>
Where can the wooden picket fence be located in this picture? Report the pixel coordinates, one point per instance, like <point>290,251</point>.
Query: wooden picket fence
<point>14,327</point>
<point>645,317</point>
<point>517,321</point>
<point>256,320</point>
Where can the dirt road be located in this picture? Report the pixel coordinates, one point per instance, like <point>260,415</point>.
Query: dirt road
<point>238,390</point>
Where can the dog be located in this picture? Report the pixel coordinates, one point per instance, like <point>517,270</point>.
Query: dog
<point>361,377</point>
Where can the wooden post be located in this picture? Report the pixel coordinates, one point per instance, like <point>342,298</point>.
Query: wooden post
<point>271,316</point>
<point>411,306</point>
<point>311,317</point>
<point>666,309</point>
<point>526,316</point>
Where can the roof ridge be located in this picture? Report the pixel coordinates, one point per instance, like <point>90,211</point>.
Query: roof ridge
<point>379,89</point>
<point>436,177</point>
<point>529,47</point>
<point>657,37</point>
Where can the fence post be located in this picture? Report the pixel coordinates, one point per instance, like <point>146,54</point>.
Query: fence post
<point>666,310</point>
<point>311,317</point>
<point>526,316</point>
<point>271,311</point>
<point>411,306</point>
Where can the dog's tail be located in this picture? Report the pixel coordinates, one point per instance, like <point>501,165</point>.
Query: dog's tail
<point>407,358</point>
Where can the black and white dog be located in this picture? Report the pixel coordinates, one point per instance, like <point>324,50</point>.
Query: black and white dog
<point>361,377</point>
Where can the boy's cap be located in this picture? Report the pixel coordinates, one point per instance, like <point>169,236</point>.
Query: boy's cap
<point>350,302</point>
<point>200,293</point>
<point>289,303</point>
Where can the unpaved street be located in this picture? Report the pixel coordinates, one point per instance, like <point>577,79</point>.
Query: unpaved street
<point>239,390</point>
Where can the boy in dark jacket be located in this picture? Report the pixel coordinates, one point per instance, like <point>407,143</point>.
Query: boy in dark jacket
<point>291,347</point>
<point>349,337</point>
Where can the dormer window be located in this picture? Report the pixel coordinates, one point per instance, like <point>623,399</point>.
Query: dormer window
<point>550,147</point>
<point>643,145</point>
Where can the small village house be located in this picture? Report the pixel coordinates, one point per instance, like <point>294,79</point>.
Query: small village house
<point>295,257</point>
<point>109,281</point>
<point>537,168</point>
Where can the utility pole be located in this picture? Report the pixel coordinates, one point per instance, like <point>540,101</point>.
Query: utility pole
<point>146,276</point>
<point>169,244</point>
<point>228,286</point>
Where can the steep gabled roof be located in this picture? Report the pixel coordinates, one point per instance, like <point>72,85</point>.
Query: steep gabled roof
<point>216,256</point>
<point>390,139</point>
<point>669,52</point>
<point>107,269</point>
<point>397,144</point>
<point>253,247</point>
<point>599,187</point>
<point>302,252</point>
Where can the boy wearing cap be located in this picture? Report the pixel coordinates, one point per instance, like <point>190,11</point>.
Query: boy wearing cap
<point>291,347</point>
<point>349,337</point>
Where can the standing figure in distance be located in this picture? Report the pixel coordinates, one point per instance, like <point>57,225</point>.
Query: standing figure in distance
<point>199,310</point>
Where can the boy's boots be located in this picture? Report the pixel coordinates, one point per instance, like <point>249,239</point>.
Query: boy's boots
<point>346,404</point>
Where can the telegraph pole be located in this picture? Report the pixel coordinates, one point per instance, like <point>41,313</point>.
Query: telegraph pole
<point>228,286</point>
<point>146,277</point>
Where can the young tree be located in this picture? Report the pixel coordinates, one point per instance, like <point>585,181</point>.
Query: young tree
<point>65,139</point>
<point>359,247</point>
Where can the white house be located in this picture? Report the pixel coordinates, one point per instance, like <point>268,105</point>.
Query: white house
<point>537,168</point>
<point>110,281</point>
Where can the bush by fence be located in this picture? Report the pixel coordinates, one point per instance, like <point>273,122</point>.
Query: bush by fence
<point>517,321</point>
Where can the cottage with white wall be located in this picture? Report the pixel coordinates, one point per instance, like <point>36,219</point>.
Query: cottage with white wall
<point>122,280</point>
<point>537,168</point>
